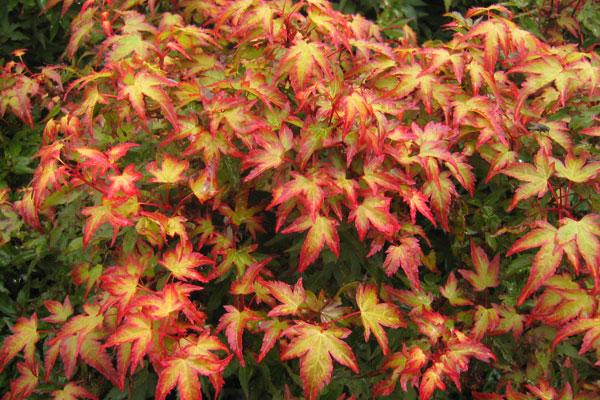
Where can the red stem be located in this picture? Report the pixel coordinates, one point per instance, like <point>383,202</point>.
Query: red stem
<point>556,200</point>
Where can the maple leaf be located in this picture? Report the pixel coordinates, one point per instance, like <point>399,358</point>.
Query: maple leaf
<point>536,178</point>
<point>234,322</point>
<point>84,345</point>
<point>482,112</point>
<point>124,183</point>
<point>562,301</point>
<point>590,340</point>
<point>406,365</point>
<point>258,84</point>
<point>246,284</point>
<point>169,226</point>
<point>431,380</point>
<point>354,105</point>
<point>316,346</point>
<point>244,215</point>
<point>440,57</point>
<point>378,177</point>
<point>106,212</point>
<point>172,298</point>
<point>196,356</point>
<point>417,201</point>
<point>25,384</point>
<point>236,113</point>
<point>100,161</point>
<point>121,282</point>
<point>131,41</point>
<point>486,320</point>
<point>543,71</point>
<point>272,153</point>
<point>86,274</point>
<point>582,237</point>
<point>495,35</point>
<point>406,255</point>
<point>428,85</point>
<point>59,312</point>
<point>455,359</point>
<point>374,210</point>
<point>304,60</point>
<point>183,372</point>
<point>291,298</point>
<point>72,391</point>
<point>440,193</point>
<point>136,329</point>
<point>204,185</point>
<point>273,330</point>
<point>82,325</point>
<point>135,87</point>
<point>430,323</point>
<point>486,272</point>
<point>545,262</point>
<point>510,320</point>
<point>94,158</point>
<point>170,171</point>
<point>24,337</point>
<point>451,292</point>
<point>307,189</point>
<point>321,231</point>
<point>49,175</point>
<point>81,26</point>
<point>182,262</point>
<point>573,238</point>
<point>499,157</point>
<point>576,169</point>
<point>375,315</point>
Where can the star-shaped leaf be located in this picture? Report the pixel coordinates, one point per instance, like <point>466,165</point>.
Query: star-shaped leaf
<point>374,210</point>
<point>375,315</point>
<point>183,261</point>
<point>24,337</point>
<point>407,255</point>
<point>170,171</point>
<point>234,322</point>
<point>486,271</point>
<point>535,177</point>
<point>290,297</point>
<point>322,231</point>
<point>135,87</point>
<point>317,347</point>
<point>304,60</point>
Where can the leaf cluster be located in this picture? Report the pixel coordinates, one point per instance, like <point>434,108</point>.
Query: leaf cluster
<point>269,198</point>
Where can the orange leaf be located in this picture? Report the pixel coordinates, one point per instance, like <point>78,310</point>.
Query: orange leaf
<point>374,210</point>
<point>182,262</point>
<point>406,255</point>
<point>234,322</point>
<point>316,346</point>
<point>322,231</point>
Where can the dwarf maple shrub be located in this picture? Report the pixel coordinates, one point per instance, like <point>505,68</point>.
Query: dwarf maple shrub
<point>262,199</point>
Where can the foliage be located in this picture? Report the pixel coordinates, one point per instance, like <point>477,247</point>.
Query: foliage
<point>269,199</point>
<point>25,25</point>
<point>555,21</point>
